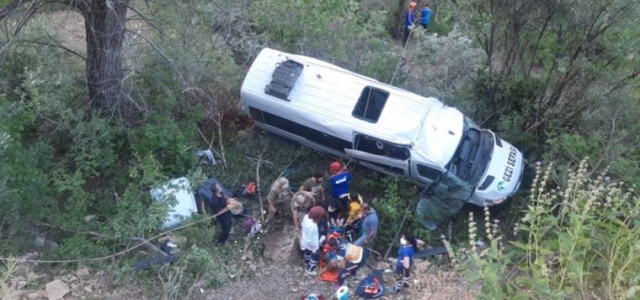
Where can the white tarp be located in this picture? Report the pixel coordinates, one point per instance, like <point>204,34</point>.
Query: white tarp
<point>185,204</point>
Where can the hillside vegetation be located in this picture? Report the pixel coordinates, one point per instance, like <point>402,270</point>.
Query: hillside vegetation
<point>102,100</point>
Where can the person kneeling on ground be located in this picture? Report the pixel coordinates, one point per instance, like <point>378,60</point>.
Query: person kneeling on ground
<point>408,247</point>
<point>310,239</point>
<point>350,258</point>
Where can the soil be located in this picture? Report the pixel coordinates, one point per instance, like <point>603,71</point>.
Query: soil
<point>282,276</point>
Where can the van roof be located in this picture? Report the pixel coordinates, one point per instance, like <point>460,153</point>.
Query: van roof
<point>333,92</point>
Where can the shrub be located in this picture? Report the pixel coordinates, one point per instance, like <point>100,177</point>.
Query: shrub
<point>575,241</point>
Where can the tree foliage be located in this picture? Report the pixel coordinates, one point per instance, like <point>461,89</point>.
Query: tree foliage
<point>559,79</point>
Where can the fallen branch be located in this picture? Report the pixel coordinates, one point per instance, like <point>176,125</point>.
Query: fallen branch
<point>258,164</point>
<point>111,256</point>
<point>102,236</point>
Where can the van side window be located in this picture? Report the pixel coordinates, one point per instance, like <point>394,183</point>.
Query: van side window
<point>380,147</point>
<point>428,172</point>
<point>370,104</point>
<point>256,114</point>
<point>311,134</point>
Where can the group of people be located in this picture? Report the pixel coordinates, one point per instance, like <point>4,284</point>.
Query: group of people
<point>338,228</point>
<point>411,16</point>
<point>318,219</point>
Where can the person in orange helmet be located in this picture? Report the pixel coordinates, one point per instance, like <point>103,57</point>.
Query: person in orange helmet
<point>339,181</point>
<point>409,21</point>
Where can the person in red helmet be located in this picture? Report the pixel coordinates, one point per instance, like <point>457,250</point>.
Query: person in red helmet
<point>339,181</point>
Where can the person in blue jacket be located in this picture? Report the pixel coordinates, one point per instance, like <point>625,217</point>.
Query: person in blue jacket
<point>425,15</point>
<point>409,21</point>
<point>408,248</point>
<point>339,181</point>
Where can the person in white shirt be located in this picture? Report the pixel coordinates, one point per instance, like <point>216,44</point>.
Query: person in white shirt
<point>310,239</point>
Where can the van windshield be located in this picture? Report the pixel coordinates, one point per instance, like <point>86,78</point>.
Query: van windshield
<point>443,199</point>
<point>473,154</point>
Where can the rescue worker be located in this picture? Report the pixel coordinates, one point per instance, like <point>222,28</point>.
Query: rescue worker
<point>217,204</point>
<point>354,215</point>
<point>339,181</point>
<point>408,248</point>
<point>350,258</point>
<point>369,225</point>
<point>301,202</point>
<point>278,196</point>
<point>310,239</point>
<point>409,21</point>
<point>425,15</point>
<point>314,185</point>
<point>337,212</point>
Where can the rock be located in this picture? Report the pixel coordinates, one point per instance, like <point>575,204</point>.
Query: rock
<point>88,218</point>
<point>99,273</point>
<point>244,257</point>
<point>250,255</point>
<point>34,296</point>
<point>71,278</point>
<point>294,290</point>
<point>57,289</point>
<point>94,283</point>
<point>88,289</point>
<point>21,284</point>
<point>74,286</point>
<point>253,268</point>
<point>82,272</point>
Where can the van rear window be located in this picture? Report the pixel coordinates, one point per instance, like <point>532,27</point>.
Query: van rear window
<point>370,104</point>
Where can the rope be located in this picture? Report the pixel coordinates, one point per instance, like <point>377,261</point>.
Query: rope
<point>402,55</point>
<point>115,254</point>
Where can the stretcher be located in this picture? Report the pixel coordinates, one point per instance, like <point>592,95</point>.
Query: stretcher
<point>327,275</point>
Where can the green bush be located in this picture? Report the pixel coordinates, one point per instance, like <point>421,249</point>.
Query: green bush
<point>397,203</point>
<point>577,241</point>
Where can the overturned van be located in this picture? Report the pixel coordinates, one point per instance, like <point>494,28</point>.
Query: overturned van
<point>382,127</point>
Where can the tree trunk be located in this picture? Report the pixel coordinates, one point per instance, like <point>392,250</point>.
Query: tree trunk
<point>105,24</point>
<point>396,19</point>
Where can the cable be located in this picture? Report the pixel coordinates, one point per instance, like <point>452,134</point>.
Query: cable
<point>118,253</point>
<point>401,56</point>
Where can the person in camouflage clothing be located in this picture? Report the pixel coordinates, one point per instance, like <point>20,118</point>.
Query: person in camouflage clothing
<point>278,196</point>
<point>300,204</point>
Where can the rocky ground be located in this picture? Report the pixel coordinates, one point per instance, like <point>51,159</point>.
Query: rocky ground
<point>276,274</point>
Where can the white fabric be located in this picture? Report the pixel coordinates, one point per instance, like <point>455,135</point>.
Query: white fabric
<point>310,235</point>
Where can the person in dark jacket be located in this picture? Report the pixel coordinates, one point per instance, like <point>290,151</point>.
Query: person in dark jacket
<point>217,204</point>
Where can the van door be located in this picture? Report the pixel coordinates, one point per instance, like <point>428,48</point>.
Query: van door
<point>424,172</point>
<point>380,163</point>
<point>381,155</point>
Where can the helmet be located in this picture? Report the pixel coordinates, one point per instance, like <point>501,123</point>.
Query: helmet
<point>335,166</point>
